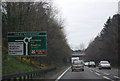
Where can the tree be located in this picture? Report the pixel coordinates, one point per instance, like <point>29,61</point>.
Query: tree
<point>37,17</point>
<point>105,45</point>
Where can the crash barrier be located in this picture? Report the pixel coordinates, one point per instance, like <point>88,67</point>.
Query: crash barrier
<point>26,75</point>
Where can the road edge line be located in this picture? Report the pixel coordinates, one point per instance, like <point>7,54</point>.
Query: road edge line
<point>63,73</point>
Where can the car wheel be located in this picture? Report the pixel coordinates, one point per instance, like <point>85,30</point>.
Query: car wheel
<point>82,69</point>
<point>72,70</point>
<point>99,68</point>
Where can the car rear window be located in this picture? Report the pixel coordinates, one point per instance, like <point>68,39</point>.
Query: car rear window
<point>104,62</point>
<point>92,62</point>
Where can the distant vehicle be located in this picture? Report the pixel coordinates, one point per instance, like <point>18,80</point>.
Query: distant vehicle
<point>77,65</point>
<point>86,63</point>
<point>74,58</point>
<point>91,64</point>
<point>104,65</point>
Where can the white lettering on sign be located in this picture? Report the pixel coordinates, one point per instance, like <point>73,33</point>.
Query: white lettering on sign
<point>15,48</point>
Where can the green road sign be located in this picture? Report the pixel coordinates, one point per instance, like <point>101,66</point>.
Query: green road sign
<point>27,43</point>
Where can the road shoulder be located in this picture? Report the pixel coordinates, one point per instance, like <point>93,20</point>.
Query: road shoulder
<point>55,76</point>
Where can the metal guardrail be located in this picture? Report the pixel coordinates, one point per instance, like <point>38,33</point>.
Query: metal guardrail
<point>26,75</point>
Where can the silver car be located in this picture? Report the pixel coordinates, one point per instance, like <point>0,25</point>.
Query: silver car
<point>86,63</point>
<point>104,65</point>
<point>91,64</point>
<point>77,65</point>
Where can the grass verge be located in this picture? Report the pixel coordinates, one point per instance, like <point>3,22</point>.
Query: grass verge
<point>11,65</point>
<point>51,74</point>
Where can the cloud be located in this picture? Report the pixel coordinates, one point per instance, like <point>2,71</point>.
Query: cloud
<point>85,18</point>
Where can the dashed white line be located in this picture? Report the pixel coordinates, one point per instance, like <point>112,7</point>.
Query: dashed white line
<point>107,78</point>
<point>106,73</point>
<point>97,73</point>
<point>62,74</point>
<point>116,77</point>
<point>91,70</point>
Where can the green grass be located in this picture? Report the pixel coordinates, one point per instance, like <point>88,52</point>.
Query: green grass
<point>11,65</point>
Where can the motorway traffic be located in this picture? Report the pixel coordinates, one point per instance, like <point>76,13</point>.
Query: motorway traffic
<point>80,70</point>
<point>90,73</point>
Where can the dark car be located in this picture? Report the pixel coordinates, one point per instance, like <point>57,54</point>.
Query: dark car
<point>104,65</point>
<point>91,64</point>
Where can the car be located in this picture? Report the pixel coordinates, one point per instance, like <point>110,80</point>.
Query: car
<point>91,64</point>
<point>104,65</point>
<point>77,65</point>
<point>86,63</point>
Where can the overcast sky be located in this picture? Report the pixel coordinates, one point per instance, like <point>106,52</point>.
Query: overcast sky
<point>84,19</point>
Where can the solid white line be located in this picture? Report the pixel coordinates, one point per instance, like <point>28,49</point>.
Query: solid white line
<point>97,74</point>
<point>117,77</point>
<point>62,74</point>
<point>107,78</point>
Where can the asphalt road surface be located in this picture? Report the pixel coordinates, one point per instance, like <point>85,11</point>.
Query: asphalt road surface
<point>92,74</point>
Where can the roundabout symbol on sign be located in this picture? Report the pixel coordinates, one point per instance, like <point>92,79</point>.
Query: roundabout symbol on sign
<point>26,40</point>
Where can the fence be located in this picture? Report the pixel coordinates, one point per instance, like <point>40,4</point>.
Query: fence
<point>26,75</point>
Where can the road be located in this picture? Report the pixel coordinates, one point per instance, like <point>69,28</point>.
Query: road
<point>92,74</point>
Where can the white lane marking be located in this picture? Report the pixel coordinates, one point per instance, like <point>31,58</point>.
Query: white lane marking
<point>97,73</point>
<point>107,78</point>
<point>91,70</point>
<point>62,74</point>
<point>116,77</point>
<point>106,73</point>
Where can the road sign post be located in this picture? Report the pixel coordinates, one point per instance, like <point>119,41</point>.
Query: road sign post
<point>27,43</point>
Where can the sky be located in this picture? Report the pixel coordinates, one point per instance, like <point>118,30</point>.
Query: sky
<point>84,19</point>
